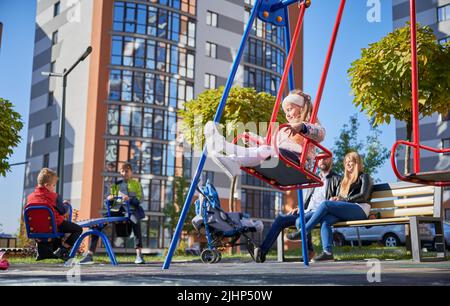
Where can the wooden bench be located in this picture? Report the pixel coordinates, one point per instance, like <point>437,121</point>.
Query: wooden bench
<point>403,203</point>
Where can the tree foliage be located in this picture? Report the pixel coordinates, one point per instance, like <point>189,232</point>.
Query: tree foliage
<point>381,78</point>
<point>10,126</point>
<point>371,150</point>
<point>244,105</point>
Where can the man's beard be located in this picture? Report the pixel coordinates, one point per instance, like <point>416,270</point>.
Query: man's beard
<point>326,168</point>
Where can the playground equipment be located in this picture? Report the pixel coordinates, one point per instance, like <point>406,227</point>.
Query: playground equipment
<point>433,178</point>
<point>40,223</point>
<point>222,229</point>
<point>276,13</point>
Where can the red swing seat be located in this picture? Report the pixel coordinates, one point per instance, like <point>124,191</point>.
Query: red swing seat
<point>439,178</point>
<point>288,173</point>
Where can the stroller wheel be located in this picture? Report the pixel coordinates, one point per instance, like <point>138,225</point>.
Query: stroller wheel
<point>208,256</point>
<point>218,256</point>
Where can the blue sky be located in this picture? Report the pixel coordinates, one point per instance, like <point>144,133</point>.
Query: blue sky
<point>356,32</point>
<point>16,60</point>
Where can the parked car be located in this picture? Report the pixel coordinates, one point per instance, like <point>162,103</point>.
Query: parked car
<point>388,235</point>
<point>446,234</point>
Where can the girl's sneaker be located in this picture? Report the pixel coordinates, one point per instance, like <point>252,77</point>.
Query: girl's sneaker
<point>139,260</point>
<point>87,260</point>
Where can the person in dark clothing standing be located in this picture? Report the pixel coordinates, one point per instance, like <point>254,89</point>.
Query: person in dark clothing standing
<point>313,198</point>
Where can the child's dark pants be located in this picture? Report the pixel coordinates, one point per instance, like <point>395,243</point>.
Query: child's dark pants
<point>73,229</point>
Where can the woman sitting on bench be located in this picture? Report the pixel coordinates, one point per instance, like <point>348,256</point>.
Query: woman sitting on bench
<point>352,203</point>
<point>298,108</point>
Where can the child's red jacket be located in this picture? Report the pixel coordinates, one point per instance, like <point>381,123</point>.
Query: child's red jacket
<point>43,197</point>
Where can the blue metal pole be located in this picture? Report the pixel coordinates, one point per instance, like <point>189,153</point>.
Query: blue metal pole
<point>218,116</point>
<point>301,210</point>
<point>287,42</point>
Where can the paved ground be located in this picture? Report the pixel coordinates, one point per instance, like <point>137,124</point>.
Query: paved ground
<point>229,273</point>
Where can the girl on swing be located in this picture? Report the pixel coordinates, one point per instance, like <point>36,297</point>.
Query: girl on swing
<point>297,107</point>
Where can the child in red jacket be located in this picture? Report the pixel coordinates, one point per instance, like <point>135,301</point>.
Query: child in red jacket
<point>45,195</point>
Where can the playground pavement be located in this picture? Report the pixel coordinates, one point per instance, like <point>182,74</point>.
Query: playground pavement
<point>230,272</point>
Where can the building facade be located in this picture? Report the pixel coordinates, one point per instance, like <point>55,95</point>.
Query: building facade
<point>434,130</point>
<point>148,58</point>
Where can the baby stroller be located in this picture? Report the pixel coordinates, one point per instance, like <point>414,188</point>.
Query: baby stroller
<point>222,229</point>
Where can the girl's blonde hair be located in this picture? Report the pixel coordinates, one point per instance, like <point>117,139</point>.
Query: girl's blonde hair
<point>307,108</point>
<point>350,178</point>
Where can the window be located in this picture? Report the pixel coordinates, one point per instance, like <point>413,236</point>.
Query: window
<point>156,22</point>
<point>447,214</point>
<point>444,13</point>
<point>56,9</point>
<point>211,50</point>
<point>50,99</point>
<point>211,19</point>
<point>46,161</point>
<point>446,117</point>
<point>210,81</point>
<point>55,38</point>
<point>48,130</point>
<point>446,144</point>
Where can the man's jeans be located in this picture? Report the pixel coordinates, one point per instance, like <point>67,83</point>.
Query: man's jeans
<point>329,213</point>
<point>282,222</point>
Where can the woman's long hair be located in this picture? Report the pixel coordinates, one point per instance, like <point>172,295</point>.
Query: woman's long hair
<point>351,177</point>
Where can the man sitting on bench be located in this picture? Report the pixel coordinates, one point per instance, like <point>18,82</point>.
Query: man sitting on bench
<point>314,198</point>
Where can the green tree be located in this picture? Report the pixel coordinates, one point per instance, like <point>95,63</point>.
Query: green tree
<point>371,150</point>
<point>246,110</point>
<point>10,126</point>
<point>244,106</point>
<point>381,78</point>
<point>172,209</point>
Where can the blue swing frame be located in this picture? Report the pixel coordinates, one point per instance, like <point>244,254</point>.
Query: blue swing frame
<point>280,7</point>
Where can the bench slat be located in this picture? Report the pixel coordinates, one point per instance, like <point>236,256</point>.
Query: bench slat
<point>422,201</point>
<point>369,222</point>
<point>404,212</point>
<point>403,192</point>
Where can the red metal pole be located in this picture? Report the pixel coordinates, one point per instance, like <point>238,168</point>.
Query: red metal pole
<point>415,87</point>
<point>285,76</point>
<point>327,62</point>
<point>326,68</point>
